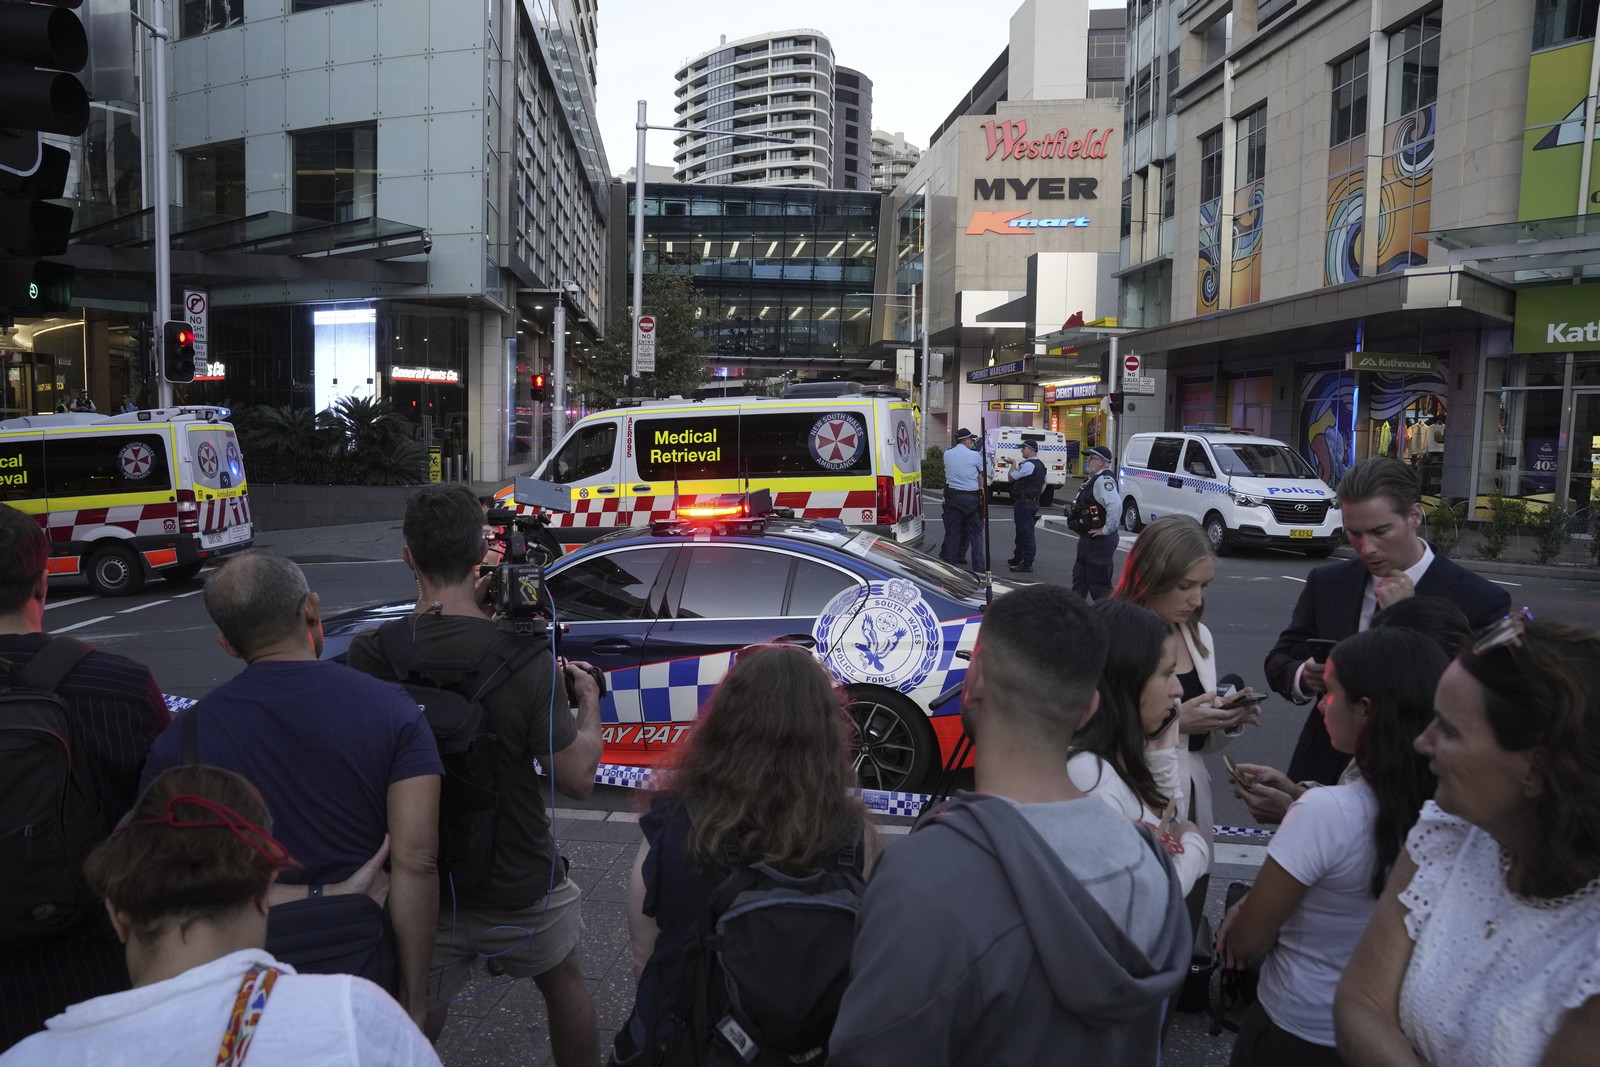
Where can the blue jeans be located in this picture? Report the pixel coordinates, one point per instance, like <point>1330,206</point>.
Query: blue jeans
<point>963,527</point>
<point>1026,515</point>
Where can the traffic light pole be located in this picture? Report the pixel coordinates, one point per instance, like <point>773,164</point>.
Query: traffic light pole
<point>159,192</point>
<point>558,373</point>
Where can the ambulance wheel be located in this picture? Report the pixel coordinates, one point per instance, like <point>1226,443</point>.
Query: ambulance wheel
<point>1130,516</point>
<point>892,743</point>
<point>1217,533</point>
<point>115,571</point>
<point>184,573</point>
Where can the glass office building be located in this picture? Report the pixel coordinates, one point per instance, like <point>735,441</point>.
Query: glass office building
<point>784,276</point>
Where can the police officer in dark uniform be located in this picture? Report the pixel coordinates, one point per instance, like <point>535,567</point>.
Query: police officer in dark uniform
<point>1097,548</point>
<point>1027,483</point>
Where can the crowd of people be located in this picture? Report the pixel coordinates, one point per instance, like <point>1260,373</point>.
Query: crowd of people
<point>1431,894</point>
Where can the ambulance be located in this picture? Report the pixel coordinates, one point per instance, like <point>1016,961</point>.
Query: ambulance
<point>854,457</point>
<point>125,496</point>
<point>1002,449</point>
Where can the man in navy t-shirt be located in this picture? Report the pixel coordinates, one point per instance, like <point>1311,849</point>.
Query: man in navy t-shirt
<point>341,758</point>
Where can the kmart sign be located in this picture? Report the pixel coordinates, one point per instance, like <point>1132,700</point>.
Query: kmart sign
<point>1557,318</point>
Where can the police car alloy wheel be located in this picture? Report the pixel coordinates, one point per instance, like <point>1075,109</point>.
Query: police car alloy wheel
<point>1217,533</point>
<point>892,744</point>
<point>1130,516</point>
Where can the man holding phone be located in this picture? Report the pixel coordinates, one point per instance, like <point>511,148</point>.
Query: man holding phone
<point>1381,500</point>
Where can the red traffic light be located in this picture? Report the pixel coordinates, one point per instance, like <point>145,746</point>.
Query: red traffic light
<point>538,382</point>
<point>184,336</point>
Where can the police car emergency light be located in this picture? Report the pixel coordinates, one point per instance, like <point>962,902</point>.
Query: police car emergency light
<point>728,513</point>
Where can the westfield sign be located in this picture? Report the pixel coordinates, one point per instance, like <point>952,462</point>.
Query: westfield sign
<point>1009,139</point>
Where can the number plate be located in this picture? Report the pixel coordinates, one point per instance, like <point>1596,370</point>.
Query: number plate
<point>1302,535</point>
<point>231,536</point>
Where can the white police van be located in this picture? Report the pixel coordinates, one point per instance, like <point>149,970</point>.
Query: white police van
<point>1244,489</point>
<point>1002,449</point>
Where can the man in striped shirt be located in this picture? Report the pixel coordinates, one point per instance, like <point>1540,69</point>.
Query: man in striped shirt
<point>117,711</point>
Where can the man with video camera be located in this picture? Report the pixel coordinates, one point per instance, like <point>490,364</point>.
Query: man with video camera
<point>523,913</point>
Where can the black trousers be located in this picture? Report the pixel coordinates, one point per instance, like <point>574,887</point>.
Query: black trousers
<point>1262,1043</point>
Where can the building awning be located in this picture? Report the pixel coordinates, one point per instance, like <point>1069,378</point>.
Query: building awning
<point>114,251</point>
<point>1394,312</point>
<point>1533,252</point>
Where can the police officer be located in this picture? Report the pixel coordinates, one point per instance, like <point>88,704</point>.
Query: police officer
<point>1091,572</point>
<point>1027,483</point>
<point>963,501</point>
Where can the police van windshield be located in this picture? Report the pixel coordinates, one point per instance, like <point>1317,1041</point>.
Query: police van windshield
<point>1259,460</point>
<point>891,556</point>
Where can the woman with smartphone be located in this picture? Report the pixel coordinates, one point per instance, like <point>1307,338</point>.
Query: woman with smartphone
<point>1167,572</point>
<point>1125,754</point>
<point>1326,866</point>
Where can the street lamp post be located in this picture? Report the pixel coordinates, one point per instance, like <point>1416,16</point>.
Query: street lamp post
<point>558,371</point>
<point>641,125</point>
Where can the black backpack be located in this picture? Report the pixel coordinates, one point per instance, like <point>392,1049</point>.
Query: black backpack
<point>764,979</point>
<point>50,815</point>
<point>451,696</point>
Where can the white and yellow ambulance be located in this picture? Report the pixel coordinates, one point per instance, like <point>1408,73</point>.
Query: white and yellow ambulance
<point>855,457</point>
<point>123,496</point>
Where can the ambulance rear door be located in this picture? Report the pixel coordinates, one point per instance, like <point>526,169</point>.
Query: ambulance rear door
<point>213,465</point>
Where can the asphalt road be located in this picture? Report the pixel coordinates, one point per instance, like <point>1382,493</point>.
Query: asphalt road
<point>165,625</point>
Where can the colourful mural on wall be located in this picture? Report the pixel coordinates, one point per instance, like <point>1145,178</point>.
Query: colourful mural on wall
<point>1405,207</point>
<point>1247,227</point>
<point>1552,140</point>
<point>1347,199</point>
<point>1327,420</point>
<point>1210,265</point>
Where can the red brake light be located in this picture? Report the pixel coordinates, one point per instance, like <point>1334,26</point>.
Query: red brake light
<point>188,512</point>
<point>885,501</point>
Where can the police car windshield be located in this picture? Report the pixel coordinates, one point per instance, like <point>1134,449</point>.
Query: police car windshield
<point>957,582</point>
<point>1261,461</point>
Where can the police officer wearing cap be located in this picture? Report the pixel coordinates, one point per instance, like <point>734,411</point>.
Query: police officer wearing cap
<point>963,501</point>
<point>1091,572</point>
<point>1027,483</point>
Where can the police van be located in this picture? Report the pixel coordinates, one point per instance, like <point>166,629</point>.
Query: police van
<point>1002,448</point>
<point>1244,489</point>
<point>124,496</point>
<point>854,457</point>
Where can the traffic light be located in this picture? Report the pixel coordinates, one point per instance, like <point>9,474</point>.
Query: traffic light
<point>41,47</point>
<point>177,352</point>
<point>1115,401</point>
<point>139,334</point>
<point>539,387</point>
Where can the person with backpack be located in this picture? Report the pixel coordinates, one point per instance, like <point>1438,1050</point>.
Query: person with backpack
<point>342,759</point>
<point>1093,516</point>
<point>1025,922</point>
<point>187,878</point>
<point>749,875</point>
<point>517,909</point>
<point>56,946</point>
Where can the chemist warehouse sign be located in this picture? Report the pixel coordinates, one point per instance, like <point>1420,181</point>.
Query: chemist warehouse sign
<point>1049,196</point>
<point>1557,318</point>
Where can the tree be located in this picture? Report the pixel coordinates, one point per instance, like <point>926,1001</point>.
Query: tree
<point>680,350</point>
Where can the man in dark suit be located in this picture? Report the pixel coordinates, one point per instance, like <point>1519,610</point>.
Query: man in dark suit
<point>1381,500</point>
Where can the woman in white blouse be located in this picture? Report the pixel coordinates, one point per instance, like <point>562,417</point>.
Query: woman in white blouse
<point>1125,753</point>
<point>1326,866</point>
<point>1485,948</point>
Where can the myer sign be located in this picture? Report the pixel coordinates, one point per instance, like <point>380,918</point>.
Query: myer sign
<point>1557,318</point>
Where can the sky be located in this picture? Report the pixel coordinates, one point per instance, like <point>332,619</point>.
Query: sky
<point>922,56</point>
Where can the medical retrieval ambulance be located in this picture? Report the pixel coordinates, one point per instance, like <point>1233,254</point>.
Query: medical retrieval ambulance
<point>122,496</point>
<point>855,457</point>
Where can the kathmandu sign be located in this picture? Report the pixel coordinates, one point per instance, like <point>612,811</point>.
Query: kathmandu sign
<point>1557,318</point>
<point>1009,139</point>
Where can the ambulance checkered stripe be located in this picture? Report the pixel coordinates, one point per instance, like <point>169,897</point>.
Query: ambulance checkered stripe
<point>602,512</point>
<point>137,519</point>
<point>223,513</point>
